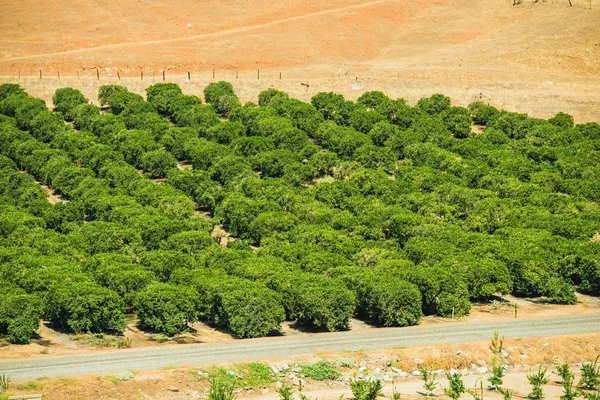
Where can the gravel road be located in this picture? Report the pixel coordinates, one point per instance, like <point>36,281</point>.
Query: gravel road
<point>106,362</point>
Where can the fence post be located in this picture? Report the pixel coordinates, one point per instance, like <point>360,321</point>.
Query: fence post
<point>142,75</point>
<point>19,74</point>
<point>236,74</point>
<point>118,75</point>
<point>189,76</point>
<point>163,74</point>
<point>213,73</point>
<point>258,74</point>
<point>280,76</point>
<point>58,74</point>
<point>97,74</point>
<point>40,74</point>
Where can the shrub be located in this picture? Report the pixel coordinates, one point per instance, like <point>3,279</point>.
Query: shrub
<point>319,371</point>
<point>167,308</point>
<point>366,390</point>
<point>163,95</point>
<point>221,96</point>
<point>590,375</point>
<point>435,104</point>
<point>385,300</point>
<point>105,91</point>
<point>158,163</point>
<point>85,307</point>
<point>315,301</point>
<point>66,99</point>
<point>20,315</point>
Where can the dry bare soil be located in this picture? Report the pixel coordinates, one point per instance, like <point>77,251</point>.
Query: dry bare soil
<point>539,57</point>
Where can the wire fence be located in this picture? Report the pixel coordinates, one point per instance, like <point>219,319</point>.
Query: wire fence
<point>541,96</point>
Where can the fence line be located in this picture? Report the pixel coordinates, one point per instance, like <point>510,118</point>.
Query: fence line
<point>525,93</point>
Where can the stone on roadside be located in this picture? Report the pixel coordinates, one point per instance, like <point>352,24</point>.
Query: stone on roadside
<point>481,370</point>
<point>416,373</point>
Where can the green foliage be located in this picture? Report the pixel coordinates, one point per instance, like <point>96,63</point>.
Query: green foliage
<point>373,207</point>
<point>590,375</point>
<point>366,390</point>
<point>319,371</point>
<point>66,99</point>
<point>435,104</point>
<point>220,391</point>
<point>483,114</point>
<point>167,308</point>
<point>537,380</point>
<point>564,372</point>
<point>254,374</point>
<point>83,307</point>
<point>162,96</point>
<point>4,382</point>
<point>495,379</point>
<point>221,96</point>
<point>457,386</point>
<point>105,91</point>
<point>429,379</point>
<point>158,163</point>
<point>20,315</point>
<point>315,301</point>
<point>569,389</point>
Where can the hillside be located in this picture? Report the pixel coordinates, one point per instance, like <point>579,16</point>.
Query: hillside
<point>539,57</point>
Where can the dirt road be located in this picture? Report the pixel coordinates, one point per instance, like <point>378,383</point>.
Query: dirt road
<point>265,348</point>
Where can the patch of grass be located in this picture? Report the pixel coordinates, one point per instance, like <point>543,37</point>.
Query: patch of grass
<point>345,362</point>
<point>319,371</point>
<point>102,340</point>
<point>31,385</point>
<point>160,338</point>
<point>68,381</point>
<point>114,380</point>
<point>169,367</point>
<point>253,375</point>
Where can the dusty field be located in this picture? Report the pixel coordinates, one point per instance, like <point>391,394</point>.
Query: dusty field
<point>184,382</point>
<point>539,57</point>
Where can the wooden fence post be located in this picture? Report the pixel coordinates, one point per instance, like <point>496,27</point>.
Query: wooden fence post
<point>97,74</point>
<point>142,75</point>
<point>258,74</point>
<point>40,74</point>
<point>163,74</point>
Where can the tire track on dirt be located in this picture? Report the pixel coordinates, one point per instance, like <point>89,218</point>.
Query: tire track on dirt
<point>232,31</point>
